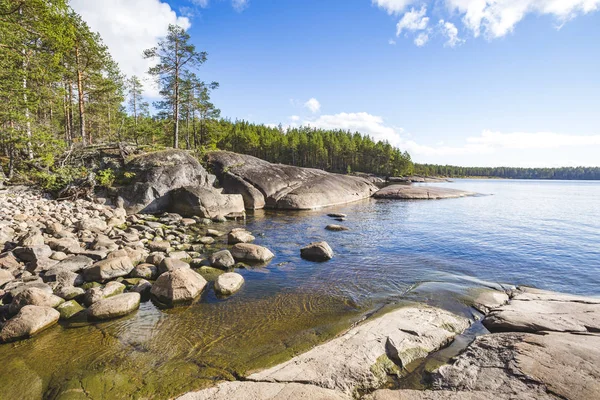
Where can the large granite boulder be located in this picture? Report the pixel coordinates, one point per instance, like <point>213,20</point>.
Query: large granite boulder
<point>204,202</point>
<point>29,321</point>
<point>409,192</point>
<point>178,286</point>
<point>114,307</point>
<point>361,358</point>
<point>156,175</point>
<point>263,184</point>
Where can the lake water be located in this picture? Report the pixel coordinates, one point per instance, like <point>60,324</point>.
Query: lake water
<point>540,233</point>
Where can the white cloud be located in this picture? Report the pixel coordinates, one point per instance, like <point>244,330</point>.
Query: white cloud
<point>295,118</point>
<point>240,5</point>
<point>414,20</point>
<point>450,31</point>
<point>362,122</point>
<point>200,3</point>
<point>496,18</point>
<point>539,140</point>
<point>313,105</point>
<point>393,6</point>
<point>128,27</point>
<point>421,39</point>
<point>392,42</point>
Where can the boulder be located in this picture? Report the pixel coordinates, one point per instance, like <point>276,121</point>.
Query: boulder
<point>336,228</point>
<point>159,245</point>
<point>409,192</point>
<point>204,202</point>
<point>171,264</point>
<point>318,251</point>
<point>221,259</point>
<point>251,252</point>
<point>67,245</point>
<point>359,359</point>
<point>178,286</point>
<point>30,320</point>
<point>142,287</point>
<point>33,238</point>
<point>33,254</point>
<point>92,225</point>
<point>9,262</point>
<point>5,276</point>
<point>114,307</point>
<point>7,234</point>
<point>237,390</point>
<point>95,294</point>
<point>69,292</point>
<point>156,175</point>
<point>68,278</point>
<point>71,264</point>
<point>263,184</point>
<point>69,309</point>
<point>239,235</point>
<point>34,296</point>
<point>145,271</point>
<point>108,269</point>
<point>229,283</point>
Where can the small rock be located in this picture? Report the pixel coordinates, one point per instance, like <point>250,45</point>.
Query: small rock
<point>143,287</point>
<point>251,252</point>
<point>92,224</point>
<point>222,259</point>
<point>180,285</point>
<point>229,283</point>
<point>171,264</point>
<point>114,307</point>
<point>34,296</point>
<point>337,215</point>
<point>205,240</point>
<point>145,271</point>
<point>69,309</point>
<point>239,236</point>
<point>318,251</point>
<point>96,294</point>
<point>58,256</point>
<point>336,228</point>
<point>69,292</point>
<point>108,269</point>
<point>33,253</point>
<point>29,321</point>
<point>160,245</point>
<point>155,258</point>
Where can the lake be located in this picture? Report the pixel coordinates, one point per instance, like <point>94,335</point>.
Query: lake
<point>539,233</point>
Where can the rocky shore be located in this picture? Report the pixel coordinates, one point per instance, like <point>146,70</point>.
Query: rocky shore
<point>540,345</point>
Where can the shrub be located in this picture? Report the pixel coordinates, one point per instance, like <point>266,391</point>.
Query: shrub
<point>106,177</point>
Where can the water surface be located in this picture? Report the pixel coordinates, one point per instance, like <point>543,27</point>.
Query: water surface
<point>539,233</point>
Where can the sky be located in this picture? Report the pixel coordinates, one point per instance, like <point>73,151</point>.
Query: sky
<point>461,82</point>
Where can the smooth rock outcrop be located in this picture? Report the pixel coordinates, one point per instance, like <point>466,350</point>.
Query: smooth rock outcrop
<point>205,202</point>
<point>264,390</point>
<point>251,252</point>
<point>29,321</point>
<point>228,283</point>
<point>409,192</point>
<point>533,310</point>
<point>349,363</point>
<point>527,366</point>
<point>114,307</point>
<point>178,286</point>
<point>156,175</point>
<point>318,251</point>
<point>263,184</point>
<point>488,299</point>
<point>108,269</point>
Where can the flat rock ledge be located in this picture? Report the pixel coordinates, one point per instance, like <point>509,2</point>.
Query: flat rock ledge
<point>264,390</point>
<point>409,192</point>
<point>543,345</point>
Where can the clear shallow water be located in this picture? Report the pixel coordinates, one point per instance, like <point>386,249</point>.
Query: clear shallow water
<point>545,234</point>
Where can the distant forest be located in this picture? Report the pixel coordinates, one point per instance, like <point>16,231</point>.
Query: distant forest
<point>566,173</point>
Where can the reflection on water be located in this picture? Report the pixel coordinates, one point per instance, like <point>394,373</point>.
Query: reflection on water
<point>538,233</point>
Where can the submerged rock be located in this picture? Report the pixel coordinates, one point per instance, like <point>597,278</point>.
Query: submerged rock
<point>336,228</point>
<point>178,286</point>
<point>349,363</point>
<point>229,283</point>
<point>408,192</point>
<point>114,307</point>
<point>263,184</point>
<point>30,320</point>
<point>318,251</point>
<point>251,252</point>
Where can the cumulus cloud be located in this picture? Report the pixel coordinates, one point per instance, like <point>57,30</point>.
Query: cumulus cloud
<point>393,6</point>
<point>392,42</point>
<point>422,39</point>
<point>313,105</point>
<point>240,5</point>
<point>496,18</point>
<point>414,20</point>
<point>450,31</point>
<point>128,27</point>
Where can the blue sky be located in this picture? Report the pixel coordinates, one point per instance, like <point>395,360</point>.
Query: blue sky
<point>465,82</point>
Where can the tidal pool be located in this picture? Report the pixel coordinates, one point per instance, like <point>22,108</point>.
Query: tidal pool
<point>543,234</point>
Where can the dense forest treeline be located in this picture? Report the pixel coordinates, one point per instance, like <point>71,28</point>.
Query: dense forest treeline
<point>566,173</point>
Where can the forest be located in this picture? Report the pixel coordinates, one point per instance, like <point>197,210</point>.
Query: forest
<point>61,89</point>
<point>566,173</point>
